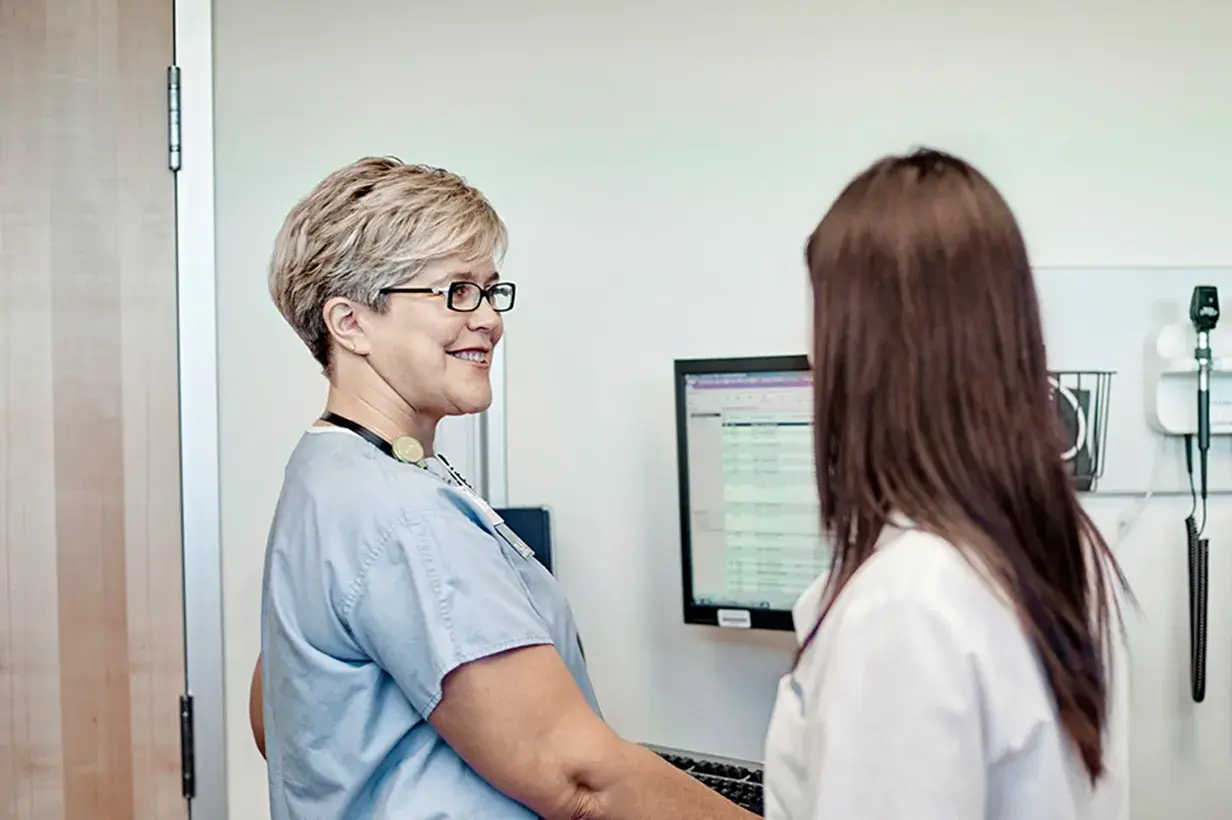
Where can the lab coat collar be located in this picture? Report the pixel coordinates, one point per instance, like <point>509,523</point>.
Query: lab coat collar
<point>808,606</point>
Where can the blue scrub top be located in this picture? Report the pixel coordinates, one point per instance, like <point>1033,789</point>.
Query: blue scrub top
<point>380,579</point>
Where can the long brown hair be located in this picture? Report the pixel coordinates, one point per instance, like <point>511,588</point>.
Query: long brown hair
<point>932,401</point>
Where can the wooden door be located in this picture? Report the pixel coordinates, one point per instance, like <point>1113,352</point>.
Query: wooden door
<point>91,613</point>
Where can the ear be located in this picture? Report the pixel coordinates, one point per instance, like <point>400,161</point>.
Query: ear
<point>344,321</point>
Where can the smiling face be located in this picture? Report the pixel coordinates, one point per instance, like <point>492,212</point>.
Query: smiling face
<point>435,359</point>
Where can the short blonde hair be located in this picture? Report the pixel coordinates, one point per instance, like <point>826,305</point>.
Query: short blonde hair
<point>370,225</point>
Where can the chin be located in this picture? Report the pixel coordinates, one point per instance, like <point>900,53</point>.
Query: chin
<point>472,403</point>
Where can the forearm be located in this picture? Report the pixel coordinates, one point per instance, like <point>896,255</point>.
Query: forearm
<point>520,721</point>
<point>633,783</point>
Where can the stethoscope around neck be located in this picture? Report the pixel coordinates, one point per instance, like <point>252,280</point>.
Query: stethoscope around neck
<point>408,450</point>
<point>404,449</point>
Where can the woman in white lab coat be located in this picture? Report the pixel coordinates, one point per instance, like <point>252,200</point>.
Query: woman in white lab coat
<point>952,665</point>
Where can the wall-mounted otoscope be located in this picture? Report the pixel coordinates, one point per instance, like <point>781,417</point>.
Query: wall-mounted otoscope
<point>1204,314</point>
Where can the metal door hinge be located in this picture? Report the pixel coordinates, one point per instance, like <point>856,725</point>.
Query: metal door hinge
<point>173,118</point>
<point>188,766</point>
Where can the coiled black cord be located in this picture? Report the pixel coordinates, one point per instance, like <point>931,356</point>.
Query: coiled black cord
<point>1199,559</point>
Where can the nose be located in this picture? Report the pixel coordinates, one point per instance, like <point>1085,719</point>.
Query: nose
<point>484,318</point>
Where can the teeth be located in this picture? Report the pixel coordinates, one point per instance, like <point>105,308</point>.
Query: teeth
<point>471,356</point>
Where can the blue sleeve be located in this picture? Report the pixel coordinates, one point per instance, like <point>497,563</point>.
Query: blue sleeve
<point>437,594</point>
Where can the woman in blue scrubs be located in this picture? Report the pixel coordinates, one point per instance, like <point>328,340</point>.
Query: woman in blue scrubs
<point>416,660</point>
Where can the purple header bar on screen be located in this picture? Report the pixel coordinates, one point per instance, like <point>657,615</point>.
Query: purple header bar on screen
<point>727,381</point>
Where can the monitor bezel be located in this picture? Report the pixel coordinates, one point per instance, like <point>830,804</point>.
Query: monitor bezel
<point>778,620</point>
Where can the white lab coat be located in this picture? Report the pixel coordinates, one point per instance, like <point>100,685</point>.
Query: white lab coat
<point>922,699</point>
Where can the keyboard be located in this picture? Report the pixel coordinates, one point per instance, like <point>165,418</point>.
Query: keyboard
<point>737,780</point>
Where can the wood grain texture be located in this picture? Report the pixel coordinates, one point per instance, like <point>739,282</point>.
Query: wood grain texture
<point>91,628</point>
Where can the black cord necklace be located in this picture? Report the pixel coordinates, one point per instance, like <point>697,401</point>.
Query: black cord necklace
<point>406,449</point>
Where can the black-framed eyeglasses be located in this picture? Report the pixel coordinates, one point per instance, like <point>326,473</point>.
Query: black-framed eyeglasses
<point>465,297</point>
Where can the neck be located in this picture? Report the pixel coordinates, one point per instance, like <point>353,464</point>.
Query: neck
<point>387,416</point>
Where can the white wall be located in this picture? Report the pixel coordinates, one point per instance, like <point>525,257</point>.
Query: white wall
<point>659,166</point>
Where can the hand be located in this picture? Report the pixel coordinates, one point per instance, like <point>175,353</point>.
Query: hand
<point>256,707</point>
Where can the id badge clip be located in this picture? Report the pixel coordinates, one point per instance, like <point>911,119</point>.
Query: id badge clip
<point>489,515</point>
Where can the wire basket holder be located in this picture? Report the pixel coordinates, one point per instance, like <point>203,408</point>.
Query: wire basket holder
<point>1082,403</point>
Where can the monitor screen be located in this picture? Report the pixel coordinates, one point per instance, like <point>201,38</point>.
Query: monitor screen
<point>749,520</point>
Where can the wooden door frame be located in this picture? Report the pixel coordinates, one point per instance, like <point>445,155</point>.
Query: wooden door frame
<point>198,354</point>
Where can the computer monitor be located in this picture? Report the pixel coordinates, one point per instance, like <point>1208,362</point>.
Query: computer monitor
<point>749,522</point>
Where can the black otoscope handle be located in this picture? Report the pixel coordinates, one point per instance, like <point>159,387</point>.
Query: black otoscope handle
<point>1204,420</point>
